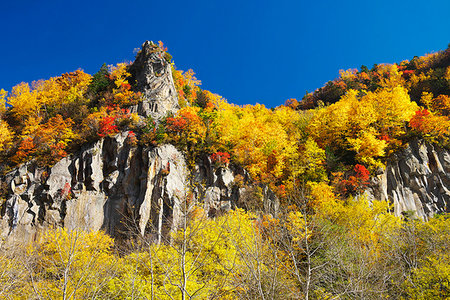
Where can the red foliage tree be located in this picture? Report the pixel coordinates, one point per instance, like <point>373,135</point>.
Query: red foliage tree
<point>418,121</point>
<point>177,124</point>
<point>108,126</point>
<point>356,182</point>
<point>220,158</point>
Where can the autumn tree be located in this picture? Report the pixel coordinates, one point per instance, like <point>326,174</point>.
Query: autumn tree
<point>6,136</point>
<point>47,98</point>
<point>3,95</point>
<point>418,249</point>
<point>188,131</point>
<point>14,275</point>
<point>434,128</point>
<point>260,139</point>
<point>49,141</point>
<point>201,258</point>
<point>186,85</point>
<point>365,124</point>
<point>71,264</point>
<point>121,93</point>
<point>24,102</point>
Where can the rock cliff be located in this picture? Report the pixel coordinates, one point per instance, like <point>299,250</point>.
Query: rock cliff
<point>416,180</point>
<point>117,187</point>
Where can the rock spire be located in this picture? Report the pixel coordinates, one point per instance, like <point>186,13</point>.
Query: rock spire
<point>152,76</point>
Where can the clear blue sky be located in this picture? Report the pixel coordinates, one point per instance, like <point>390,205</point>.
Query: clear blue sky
<point>247,51</point>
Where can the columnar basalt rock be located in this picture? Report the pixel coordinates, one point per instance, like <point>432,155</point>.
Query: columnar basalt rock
<point>152,76</point>
<point>225,187</point>
<point>416,181</point>
<point>119,188</point>
<point>100,187</point>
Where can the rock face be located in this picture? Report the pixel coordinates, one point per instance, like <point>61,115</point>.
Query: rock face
<point>221,188</point>
<point>117,187</point>
<point>152,76</point>
<point>416,179</point>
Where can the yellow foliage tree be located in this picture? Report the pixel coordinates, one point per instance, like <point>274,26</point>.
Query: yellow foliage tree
<point>431,280</point>
<point>67,88</point>
<point>262,140</point>
<point>122,94</point>
<point>331,125</point>
<point>205,259</point>
<point>366,124</point>
<point>441,104</point>
<point>368,147</point>
<point>3,94</point>
<point>24,102</point>
<point>349,74</point>
<point>368,221</point>
<point>186,85</point>
<point>47,97</point>
<point>6,136</point>
<point>393,108</point>
<point>390,76</point>
<point>72,264</point>
<point>308,165</point>
<point>427,248</point>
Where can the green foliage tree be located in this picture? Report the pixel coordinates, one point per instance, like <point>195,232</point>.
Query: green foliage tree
<point>100,81</point>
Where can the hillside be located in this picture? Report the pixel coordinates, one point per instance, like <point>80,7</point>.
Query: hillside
<point>174,192</point>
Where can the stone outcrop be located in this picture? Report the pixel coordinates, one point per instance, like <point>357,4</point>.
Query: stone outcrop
<point>117,187</point>
<point>416,180</point>
<point>221,188</point>
<point>152,76</point>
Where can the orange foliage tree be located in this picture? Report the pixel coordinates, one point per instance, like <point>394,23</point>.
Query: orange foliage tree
<point>187,128</point>
<point>113,118</point>
<point>48,141</point>
<point>432,127</point>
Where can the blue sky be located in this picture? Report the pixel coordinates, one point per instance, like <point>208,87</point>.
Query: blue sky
<point>247,51</point>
